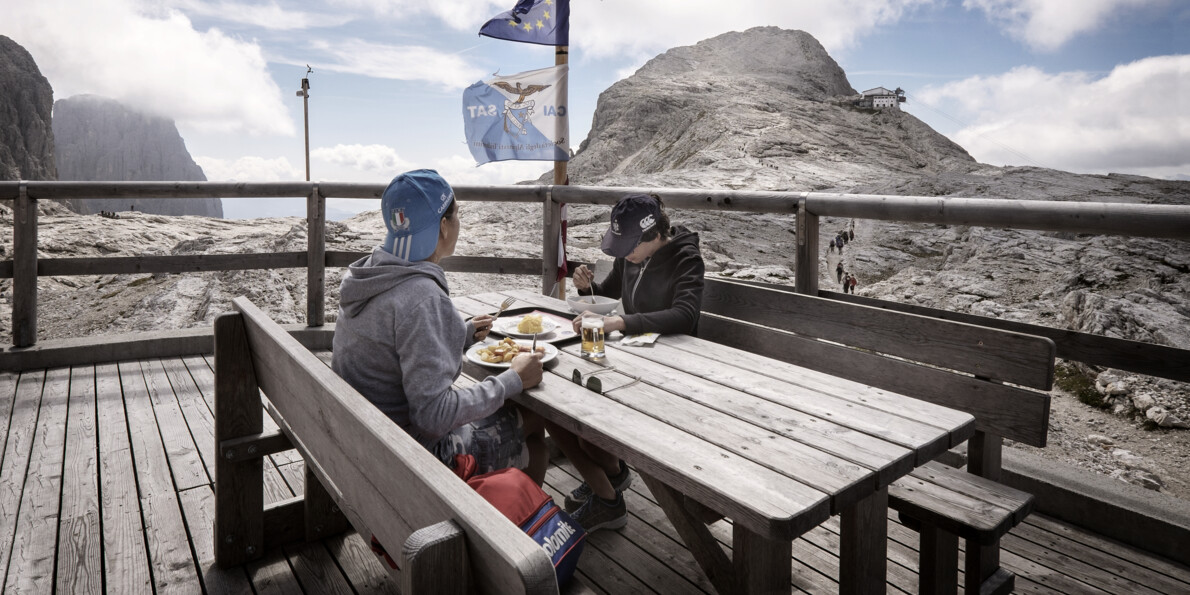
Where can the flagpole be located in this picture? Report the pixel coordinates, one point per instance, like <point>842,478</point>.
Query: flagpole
<point>562,56</point>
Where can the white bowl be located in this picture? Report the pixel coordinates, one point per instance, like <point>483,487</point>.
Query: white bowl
<point>595,303</point>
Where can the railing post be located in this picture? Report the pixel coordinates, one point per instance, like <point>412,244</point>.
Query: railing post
<point>24,269</point>
<point>551,228</point>
<point>806,261</point>
<point>316,258</point>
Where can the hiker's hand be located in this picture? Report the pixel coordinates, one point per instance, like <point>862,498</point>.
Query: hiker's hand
<point>483,325</point>
<point>583,277</point>
<point>529,367</point>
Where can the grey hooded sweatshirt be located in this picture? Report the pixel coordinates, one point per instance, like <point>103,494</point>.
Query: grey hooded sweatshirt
<point>399,341</point>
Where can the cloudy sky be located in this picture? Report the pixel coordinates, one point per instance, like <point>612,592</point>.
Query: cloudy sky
<point>1089,86</point>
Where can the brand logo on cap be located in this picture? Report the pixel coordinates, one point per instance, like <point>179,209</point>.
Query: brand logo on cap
<point>647,223</point>
<point>616,226</point>
<point>445,198</point>
<point>399,220</point>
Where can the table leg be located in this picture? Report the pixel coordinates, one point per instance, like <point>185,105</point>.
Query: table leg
<point>762,565</point>
<point>702,545</point>
<point>863,545</point>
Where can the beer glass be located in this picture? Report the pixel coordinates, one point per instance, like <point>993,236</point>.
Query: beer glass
<point>592,331</point>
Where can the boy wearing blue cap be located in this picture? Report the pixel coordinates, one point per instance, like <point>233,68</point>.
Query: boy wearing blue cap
<point>400,341</point>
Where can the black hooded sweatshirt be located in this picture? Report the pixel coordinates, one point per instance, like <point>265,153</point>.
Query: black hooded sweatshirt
<point>663,294</point>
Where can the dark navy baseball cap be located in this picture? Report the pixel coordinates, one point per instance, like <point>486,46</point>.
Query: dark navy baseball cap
<point>632,216</point>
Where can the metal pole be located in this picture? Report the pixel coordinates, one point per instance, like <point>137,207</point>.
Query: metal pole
<point>305,94</point>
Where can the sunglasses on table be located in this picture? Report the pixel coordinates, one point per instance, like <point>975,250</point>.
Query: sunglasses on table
<point>596,384</point>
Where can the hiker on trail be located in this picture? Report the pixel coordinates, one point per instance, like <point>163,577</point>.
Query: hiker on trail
<point>852,283</point>
<point>843,234</point>
<point>846,281</point>
<point>839,272</point>
<point>832,246</point>
<point>851,233</point>
<point>839,241</point>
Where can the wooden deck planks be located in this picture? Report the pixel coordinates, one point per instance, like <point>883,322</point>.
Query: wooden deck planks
<point>185,463</point>
<point>8,395</point>
<point>125,557</point>
<point>17,450</point>
<point>197,414</point>
<point>35,534</point>
<point>1162,574</point>
<point>79,565</point>
<point>170,557</point>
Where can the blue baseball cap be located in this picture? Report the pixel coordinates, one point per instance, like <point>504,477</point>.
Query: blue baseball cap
<point>632,216</point>
<point>412,207</point>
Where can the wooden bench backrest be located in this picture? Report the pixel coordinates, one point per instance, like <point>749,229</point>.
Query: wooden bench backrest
<point>380,475</point>
<point>958,365</point>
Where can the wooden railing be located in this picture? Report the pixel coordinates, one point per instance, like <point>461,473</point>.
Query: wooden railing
<point>1100,218</point>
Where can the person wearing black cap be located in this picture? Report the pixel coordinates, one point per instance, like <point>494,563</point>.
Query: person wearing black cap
<point>657,274</point>
<point>658,277</point>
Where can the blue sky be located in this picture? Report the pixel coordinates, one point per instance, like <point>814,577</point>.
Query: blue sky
<point>1090,86</point>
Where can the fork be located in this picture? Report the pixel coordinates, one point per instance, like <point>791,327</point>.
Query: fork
<point>504,306</point>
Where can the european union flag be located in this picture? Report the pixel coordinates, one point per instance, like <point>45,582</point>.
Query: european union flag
<point>520,117</point>
<point>532,21</point>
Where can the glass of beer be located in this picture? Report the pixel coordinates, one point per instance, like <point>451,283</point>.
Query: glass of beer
<point>592,329</point>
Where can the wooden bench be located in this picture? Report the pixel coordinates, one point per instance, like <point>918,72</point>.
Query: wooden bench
<point>359,466</point>
<point>986,372</point>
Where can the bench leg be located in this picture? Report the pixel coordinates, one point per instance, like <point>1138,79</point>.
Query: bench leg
<point>938,567</point>
<point>863,545</point>
<point>322,515</point>
<point>984,575</point>
<point>239,486</point>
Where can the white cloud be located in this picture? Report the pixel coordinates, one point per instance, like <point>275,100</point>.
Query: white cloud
<point>269,15</point>
<point>154,62</point>
<point>365,158</point>
<point>409,63</point>
<point>641,29</point>
<point>1130,121</point>
<point>249,169</point>
<point>1048,24</point>
<point>458,14</point>
<point>460,170</point>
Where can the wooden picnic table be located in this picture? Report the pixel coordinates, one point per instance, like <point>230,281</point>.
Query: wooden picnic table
<point>775,447</point>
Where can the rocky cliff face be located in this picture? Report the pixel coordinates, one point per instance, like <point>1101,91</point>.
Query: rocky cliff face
<point>100,139</point>
<point>26,101</point>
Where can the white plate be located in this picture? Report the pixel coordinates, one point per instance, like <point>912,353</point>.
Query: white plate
<point>472,354</point>
<point>507,326</point>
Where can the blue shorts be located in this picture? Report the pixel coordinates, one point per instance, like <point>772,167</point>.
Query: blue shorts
<point>496,441</point>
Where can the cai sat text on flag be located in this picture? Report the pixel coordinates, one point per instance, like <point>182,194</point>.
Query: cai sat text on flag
<point>518,117</point>
<point>532,21</point>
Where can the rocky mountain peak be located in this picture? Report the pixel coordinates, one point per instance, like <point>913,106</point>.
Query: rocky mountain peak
<point>26,101</point>
<point>785,60</point>
<point>765,109</point>
<point>101,139</point>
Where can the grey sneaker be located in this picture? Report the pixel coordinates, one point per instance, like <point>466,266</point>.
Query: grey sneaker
<point>620,482</point>
<point>596,513</point>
